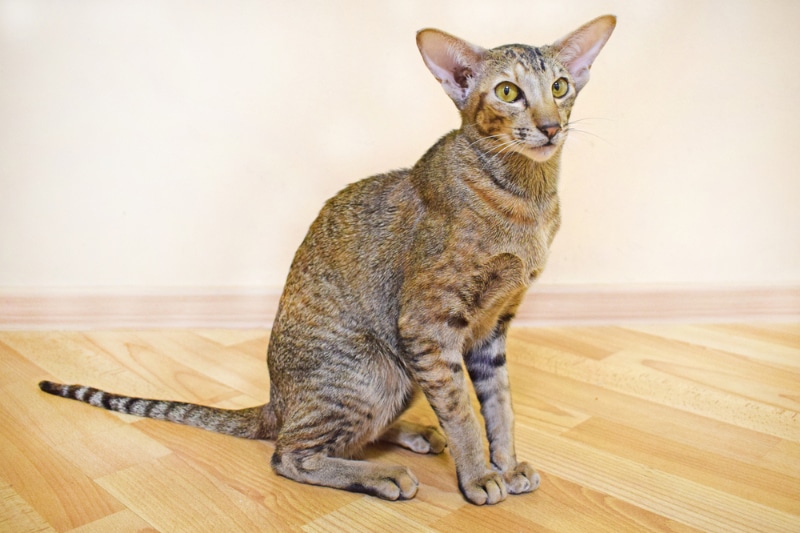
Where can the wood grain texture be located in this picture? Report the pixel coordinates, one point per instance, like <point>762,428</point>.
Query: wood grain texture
<point>641,428</point>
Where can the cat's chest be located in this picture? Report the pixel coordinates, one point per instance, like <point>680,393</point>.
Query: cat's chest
<point>528,237</point>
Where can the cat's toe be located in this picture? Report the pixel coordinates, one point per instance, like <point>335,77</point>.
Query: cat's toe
<point>408,485</point>
<point>435,439</point>
<point>401,485</point>
<point>429,440</point>
<point>393,484</point>
<point>415,437</point>
<point>486,490</point>
<point>522,479</point>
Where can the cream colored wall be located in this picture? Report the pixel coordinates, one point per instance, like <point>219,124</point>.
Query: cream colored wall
<point>190,144</point>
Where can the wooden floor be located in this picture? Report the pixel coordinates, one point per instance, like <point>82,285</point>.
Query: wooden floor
<point>663,428</point>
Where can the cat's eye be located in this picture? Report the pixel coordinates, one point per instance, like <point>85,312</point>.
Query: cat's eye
<point>507,92</point>
<point>560,87</point>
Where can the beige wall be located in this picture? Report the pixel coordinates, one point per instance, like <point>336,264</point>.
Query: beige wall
<point>190,144</point>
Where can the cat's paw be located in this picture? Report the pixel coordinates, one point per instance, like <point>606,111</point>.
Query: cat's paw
<point>486,490</point>
<point>430,440</point>
<point>396,483</point>
<point>415,437</point>
<point>405,485</point>
<point>521,479</point>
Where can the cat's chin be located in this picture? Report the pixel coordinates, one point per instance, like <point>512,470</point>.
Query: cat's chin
<point>540,154</point>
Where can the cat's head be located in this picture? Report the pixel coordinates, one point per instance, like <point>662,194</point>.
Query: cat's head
<point>516,97</point>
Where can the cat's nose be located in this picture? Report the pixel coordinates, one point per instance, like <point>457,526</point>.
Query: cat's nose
<point>551,130</point>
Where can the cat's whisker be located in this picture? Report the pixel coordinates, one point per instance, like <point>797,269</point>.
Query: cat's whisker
<point>511,142</point>
<point>487,137</point>
<point>507,145</point>
<point>505,149</point>
<point>570,127</point>
<point>590,118</point>
<point>502,156</point>
<point>585,132</point>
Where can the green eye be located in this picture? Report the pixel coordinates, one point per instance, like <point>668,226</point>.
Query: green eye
<point>507,92</point>
<point>560,87</point>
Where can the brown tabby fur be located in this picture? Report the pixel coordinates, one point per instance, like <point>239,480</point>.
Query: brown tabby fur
<point>405,276</point>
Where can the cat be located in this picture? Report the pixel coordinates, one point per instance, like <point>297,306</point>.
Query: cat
<point>408,277</point>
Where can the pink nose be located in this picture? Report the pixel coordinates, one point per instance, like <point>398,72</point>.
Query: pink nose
<point>550,130</point>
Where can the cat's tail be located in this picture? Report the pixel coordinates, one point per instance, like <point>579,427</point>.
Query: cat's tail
<point>252,423</point>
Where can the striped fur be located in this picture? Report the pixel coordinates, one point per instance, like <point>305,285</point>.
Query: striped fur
<point>406,278</point>
<point>250,423</point>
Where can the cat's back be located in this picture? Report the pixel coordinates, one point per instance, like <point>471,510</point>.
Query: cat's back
<point>364,220</point>
<point>350,262</point>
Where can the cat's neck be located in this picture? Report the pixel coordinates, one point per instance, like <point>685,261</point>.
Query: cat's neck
<point>511,171</point>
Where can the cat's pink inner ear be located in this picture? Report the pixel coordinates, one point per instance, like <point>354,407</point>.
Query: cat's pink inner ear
<point>452,61</point>
<point>578,50</point>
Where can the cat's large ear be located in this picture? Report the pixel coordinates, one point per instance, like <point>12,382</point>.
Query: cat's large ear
<point>452,61</point>
<point>578,50</point>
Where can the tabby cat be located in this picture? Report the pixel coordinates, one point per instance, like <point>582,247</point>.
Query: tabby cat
<point>409,277</point>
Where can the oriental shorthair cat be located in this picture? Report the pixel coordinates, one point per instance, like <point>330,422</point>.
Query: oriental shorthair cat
<point>407,282</point>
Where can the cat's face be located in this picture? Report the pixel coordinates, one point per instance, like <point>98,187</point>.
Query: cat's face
<point>516,98</point>
<point>522,101</point>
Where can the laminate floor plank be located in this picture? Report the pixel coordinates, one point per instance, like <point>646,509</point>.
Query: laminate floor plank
<point>668,427</point>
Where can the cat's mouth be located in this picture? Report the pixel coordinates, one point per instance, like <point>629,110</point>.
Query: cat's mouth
<point>539,150</point>
<point>541,153</point>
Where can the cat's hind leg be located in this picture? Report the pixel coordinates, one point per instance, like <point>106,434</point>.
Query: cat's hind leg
<point>318,468</point>
<point>415,437</point>
<point>328,421</point>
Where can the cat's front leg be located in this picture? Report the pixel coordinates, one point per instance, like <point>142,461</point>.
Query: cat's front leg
<point>486,364</point>
<point>439,373</point>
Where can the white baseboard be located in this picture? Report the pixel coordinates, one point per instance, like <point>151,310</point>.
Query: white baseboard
<point>76,310</point>
<point>256,308</point>
<point>620,304</point>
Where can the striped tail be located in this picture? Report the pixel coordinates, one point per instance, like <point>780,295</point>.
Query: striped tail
<point>251,423</point>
